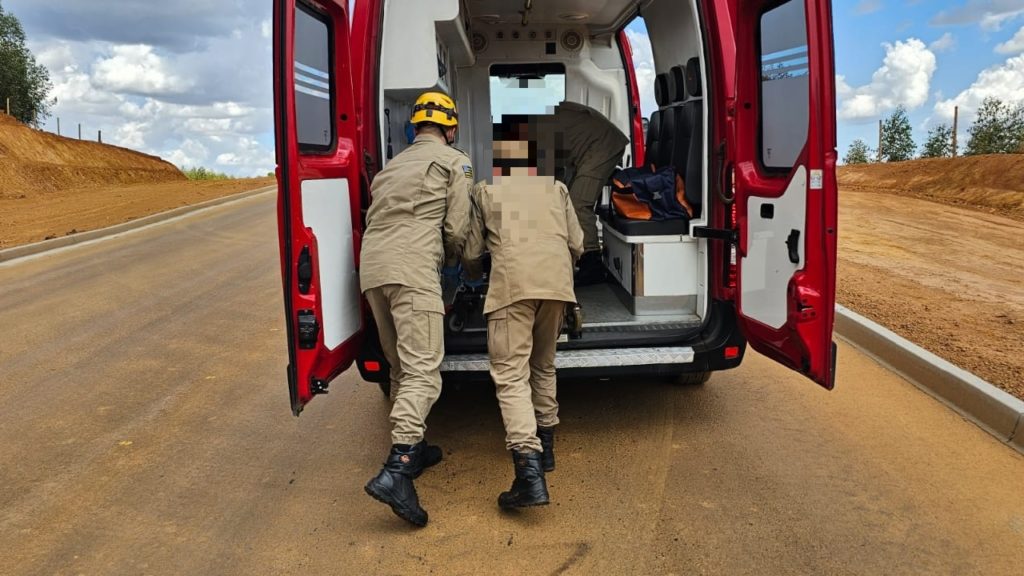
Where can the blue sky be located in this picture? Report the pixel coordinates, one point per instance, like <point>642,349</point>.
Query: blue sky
<point>190,80</point>
<point>927,55</point>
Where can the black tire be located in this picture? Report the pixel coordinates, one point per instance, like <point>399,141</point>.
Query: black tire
<point>693,378</point>
<point>385,388</point>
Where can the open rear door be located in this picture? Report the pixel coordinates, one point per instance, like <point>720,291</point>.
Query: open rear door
<point>318,192</point>
<point>785,184</point>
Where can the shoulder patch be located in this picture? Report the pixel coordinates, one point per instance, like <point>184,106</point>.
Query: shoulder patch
<point>468,171</point>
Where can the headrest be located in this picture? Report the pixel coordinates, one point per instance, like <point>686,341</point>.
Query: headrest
<point>693,82</point>
<point>677,84</point>
<point>661,92</point>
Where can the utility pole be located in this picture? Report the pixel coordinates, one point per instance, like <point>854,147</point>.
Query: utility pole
<point>99,136</point>
<point>879,140</point>
<point>956,118</point>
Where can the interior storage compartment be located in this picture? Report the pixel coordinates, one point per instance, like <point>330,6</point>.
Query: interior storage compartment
<point>655,275</point>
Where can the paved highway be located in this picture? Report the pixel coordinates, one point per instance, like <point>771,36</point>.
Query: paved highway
<point>145,429</point>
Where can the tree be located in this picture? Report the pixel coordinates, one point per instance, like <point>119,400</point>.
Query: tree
<point>940,142</point>
<point>24,81</point>
<point>897,137</point>
<point>998,128</point>
<point>857,153</point>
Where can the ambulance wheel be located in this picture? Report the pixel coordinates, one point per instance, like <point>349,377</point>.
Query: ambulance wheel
<point>385,388</point>
<point>693,378</point>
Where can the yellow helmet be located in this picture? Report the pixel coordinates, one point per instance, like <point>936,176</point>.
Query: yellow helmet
<point>435,107</point>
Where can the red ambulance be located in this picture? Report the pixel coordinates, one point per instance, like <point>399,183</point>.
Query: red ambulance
<point>745,91</point>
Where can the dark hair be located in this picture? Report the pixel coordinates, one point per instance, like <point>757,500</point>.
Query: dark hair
<point>422,126</point>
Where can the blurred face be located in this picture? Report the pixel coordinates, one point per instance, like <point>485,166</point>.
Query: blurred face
<point>512,158</point>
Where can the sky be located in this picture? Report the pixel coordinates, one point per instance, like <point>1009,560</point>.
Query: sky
<point>190,80</point>
<point>927,55</point>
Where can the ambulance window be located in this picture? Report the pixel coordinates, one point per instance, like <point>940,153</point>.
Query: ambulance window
<point>313,92</point>
<point>526,89</point>
<point>785,98</point>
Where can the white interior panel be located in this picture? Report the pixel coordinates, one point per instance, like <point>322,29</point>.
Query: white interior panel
<point>765,271</point>
<point>326,210</point>
<point>670,268</point>
<point>409,43</point>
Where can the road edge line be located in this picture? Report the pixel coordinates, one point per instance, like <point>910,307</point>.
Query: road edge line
<point>8,255</point>
<point>990,408</point>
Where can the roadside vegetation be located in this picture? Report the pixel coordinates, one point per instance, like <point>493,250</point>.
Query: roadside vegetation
<point>24,83</point>
<point>202,173</point>
<point>998,128</point>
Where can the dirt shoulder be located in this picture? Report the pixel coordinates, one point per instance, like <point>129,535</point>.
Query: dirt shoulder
<point>947,278</point>
<point>31,216</point>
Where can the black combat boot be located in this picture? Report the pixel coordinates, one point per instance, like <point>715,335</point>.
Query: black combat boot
<point>547,441</point>
<point>393,485</point>
<point>591,269</point>
<point>429,455</point>
<point>529,487</point>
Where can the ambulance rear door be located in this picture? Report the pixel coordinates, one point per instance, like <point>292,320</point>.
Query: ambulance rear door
<point>783,154</point>
<point>318,208</point>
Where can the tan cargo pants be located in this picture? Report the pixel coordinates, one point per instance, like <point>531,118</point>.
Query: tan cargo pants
<point>411,326</point>
<point>521,340</point>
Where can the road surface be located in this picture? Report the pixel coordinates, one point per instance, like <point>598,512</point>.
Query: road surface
<point>145,429</point>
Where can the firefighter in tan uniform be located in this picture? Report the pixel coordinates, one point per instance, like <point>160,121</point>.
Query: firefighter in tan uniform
<point>528,224</point>
<point>418,218</point>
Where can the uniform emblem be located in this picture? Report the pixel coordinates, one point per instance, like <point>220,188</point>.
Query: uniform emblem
<point>468,171</point>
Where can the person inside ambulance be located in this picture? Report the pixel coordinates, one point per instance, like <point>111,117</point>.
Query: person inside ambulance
<point>583,147</point>
<point>418,218</point>
<point>528,224</point>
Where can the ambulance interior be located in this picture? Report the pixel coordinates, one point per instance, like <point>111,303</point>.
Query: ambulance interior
<point>501,57</point>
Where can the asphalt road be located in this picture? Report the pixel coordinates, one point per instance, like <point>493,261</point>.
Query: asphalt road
<point>145,429</point>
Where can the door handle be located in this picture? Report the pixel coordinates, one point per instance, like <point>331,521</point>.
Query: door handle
<point>793,244</point>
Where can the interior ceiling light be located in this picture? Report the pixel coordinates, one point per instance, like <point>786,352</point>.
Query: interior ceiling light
<point>574,16</point>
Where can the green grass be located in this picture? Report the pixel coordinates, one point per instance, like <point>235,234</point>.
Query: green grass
<point>201,173</point>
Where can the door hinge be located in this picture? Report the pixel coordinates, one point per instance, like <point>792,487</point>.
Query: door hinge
<point>318,386</point>
<point>730,236</point>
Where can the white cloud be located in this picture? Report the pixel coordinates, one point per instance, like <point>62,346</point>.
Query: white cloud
<point>247,155</point>
<point>904,79</point>
<point>1004,81</point>
<point>643,64</point>
<point>135,68</point>
<point>1014,45</point>
<point>266,29</point>
<point>205,103</point>
<point>190,154</point>
<point>944,43</point>
<point>990,14</point>
<point>868,6</point>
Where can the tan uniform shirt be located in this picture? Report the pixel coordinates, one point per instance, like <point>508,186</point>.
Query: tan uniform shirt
<point>419,214</point>
<point>529,226</point>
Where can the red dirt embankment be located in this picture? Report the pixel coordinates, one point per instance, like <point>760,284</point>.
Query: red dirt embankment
<point>53,186</point>
<point>991,183</point>
<point>33,161</point>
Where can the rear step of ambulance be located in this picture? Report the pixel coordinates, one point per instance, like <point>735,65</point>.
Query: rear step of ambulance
<point>571,359</point>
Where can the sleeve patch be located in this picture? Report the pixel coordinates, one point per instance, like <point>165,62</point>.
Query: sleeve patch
<point>468,171</point>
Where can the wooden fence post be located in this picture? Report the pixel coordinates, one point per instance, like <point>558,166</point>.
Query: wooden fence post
<point>956,119</point>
